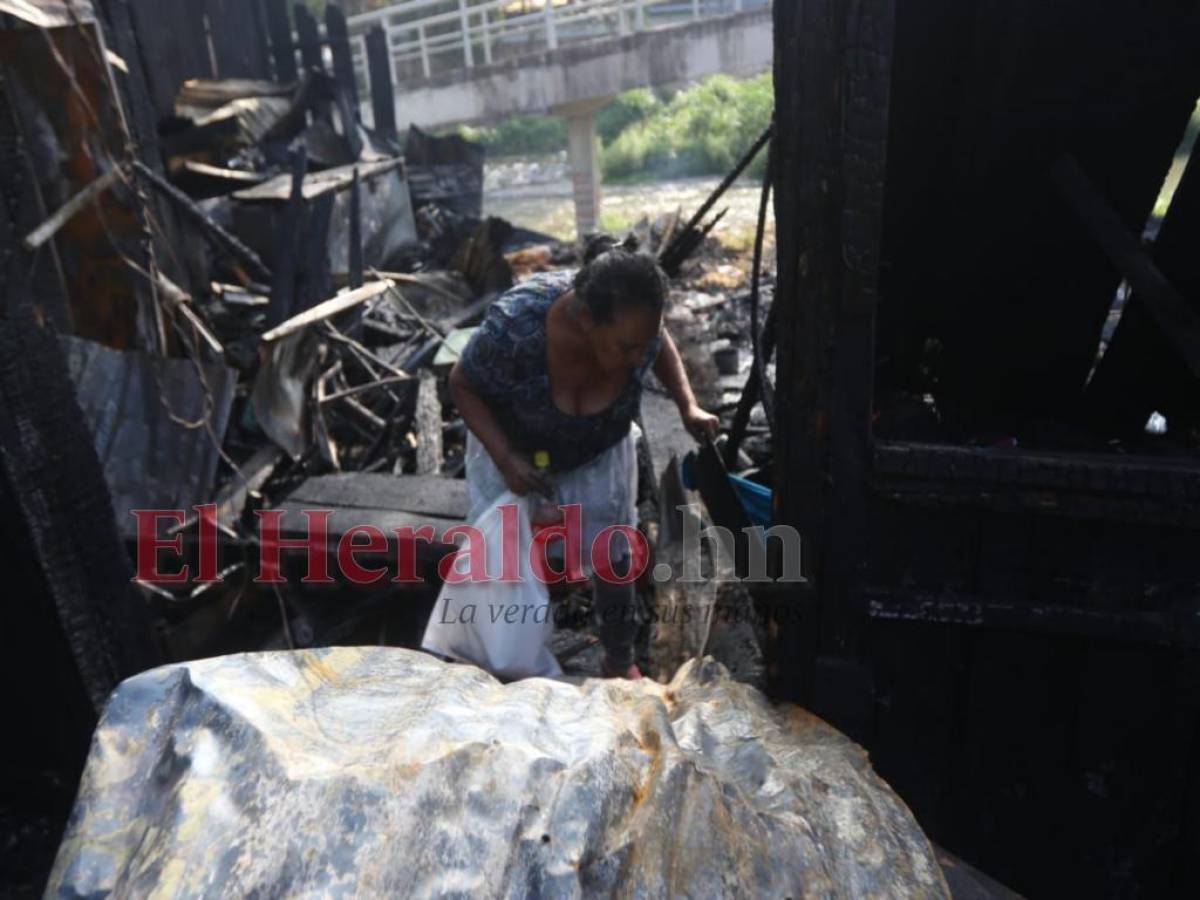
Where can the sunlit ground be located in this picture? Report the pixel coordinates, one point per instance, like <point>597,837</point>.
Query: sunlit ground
<point>549,208</point>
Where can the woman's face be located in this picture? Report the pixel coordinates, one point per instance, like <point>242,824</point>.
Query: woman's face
<point>622,344</point>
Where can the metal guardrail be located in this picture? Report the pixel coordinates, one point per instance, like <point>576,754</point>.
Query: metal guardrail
<point>432,37</point>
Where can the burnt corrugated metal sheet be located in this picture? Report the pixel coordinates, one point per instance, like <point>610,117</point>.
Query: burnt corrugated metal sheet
<point>49,13</point>
<point>142,412</point>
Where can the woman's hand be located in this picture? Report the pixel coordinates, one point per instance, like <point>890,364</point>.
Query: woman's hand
<point>523,477</point>
<point>670,371</point>
<point>700,424</point>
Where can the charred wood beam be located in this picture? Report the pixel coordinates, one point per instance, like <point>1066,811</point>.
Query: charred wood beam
<point>722,502</point>
<point>179,301</point>
<point>370,361</point>
<point>684,242</point>
<point>309,41</point>
<point>309,38</point>
<point>343,60</point>
<point>758,386</point>
<point>67,211</point>
<point>287,263</point>
<point>1143,627</point>
<point>314,280</point>
<point>379,67</point>
<point>363,388</point>
<point>1079,486</point>
<point>427,425</point>
<point>281,41</point>
<point>832,81</point>
<point>472,315</point>
<point>328,309</point>
<point>1179,321</point>
<point>765,388</point>
<point>355,250</point>
<point>348,114</point>
<point>217,235</point>
<point>750,394</point>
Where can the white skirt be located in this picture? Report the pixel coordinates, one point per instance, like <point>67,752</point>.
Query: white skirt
<point>503,626</point>
<point>605,488</point>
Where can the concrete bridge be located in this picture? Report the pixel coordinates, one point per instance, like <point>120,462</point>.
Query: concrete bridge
<point>477,61</point>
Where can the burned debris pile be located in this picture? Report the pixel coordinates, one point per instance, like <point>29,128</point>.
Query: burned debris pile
<point>256,293</point>
<point>224,295</point>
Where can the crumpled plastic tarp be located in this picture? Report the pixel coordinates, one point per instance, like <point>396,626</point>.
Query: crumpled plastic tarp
<point>361,772</point>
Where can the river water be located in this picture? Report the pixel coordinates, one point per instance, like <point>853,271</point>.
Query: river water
<point>548,206</point>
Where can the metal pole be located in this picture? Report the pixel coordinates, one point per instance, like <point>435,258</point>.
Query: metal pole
<point>424,50</point>
<point>695,9</point>
<point>391,49</point>
<point>465,24</point>
<point>487,36</point>
<point>640,20</point>
<point>361,70</point>
<point>551,32</point>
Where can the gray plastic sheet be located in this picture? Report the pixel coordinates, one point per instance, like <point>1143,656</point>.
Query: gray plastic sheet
<point>371,772</point>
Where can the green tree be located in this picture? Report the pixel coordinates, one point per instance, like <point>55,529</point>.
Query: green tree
<point>625,109</point>
<point>702,131</point>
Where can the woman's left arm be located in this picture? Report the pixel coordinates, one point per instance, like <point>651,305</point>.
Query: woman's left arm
<point>670,371</point>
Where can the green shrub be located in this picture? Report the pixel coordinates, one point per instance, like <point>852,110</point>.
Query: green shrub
<point>701,131</point>
<point>519,136</point>
<point>626,109</point>
<point>530,136</point>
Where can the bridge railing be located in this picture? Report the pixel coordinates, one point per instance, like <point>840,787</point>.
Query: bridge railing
<point>432,37</point>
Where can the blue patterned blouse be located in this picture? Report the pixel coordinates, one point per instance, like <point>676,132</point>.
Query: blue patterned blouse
<point>507,363</point>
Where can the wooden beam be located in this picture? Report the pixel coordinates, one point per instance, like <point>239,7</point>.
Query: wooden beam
<point>68,210</point>
<point>329,308</point>
<point>309,38</point>
<point>427,424</point>
<point>1179,321</point>
<point>218,235</point>
<point>279,188</point>
<point>355,250</point>
<point>383,95</point>
<point>832,81</point>
<point>343,61</point>
<point>1128,624</point>
<point>281,41</point>
<point>180,301</point>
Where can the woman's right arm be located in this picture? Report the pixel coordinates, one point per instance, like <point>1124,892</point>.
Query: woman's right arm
<point>521,476</point>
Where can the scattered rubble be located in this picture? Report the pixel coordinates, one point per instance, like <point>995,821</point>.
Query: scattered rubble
<point>303,284</point>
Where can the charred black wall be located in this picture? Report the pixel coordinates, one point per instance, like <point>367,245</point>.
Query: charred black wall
<point>1011,634</point>
<point>980,253</point>
<point>173,42</point>
<point>1033,637</point>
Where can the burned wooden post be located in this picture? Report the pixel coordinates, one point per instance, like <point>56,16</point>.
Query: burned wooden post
<point>308,38</point>
<point>833,67</point>
<point>688,238</point>
<point>383,96</point>
<point>355,261</point>
<point>1178,322</point>
<point>343,61</point>
<point>283,284</point>
<point>219,237</point>
<point>281,41</point>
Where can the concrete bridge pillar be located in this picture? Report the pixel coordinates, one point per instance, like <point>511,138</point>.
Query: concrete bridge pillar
<point>583,152</point>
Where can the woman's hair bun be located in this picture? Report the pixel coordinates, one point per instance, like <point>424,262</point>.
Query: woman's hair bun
<point>598,244</point>
<point>615,276</point>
